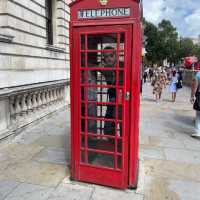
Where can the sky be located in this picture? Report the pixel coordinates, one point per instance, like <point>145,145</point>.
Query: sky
<point>183,14</point>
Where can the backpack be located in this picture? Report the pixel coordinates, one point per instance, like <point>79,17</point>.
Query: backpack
<point>196,105</point>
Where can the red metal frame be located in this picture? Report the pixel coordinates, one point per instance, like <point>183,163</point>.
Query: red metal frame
<point>83,171</point>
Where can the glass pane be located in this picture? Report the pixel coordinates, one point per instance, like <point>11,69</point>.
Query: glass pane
<point>82,141</point>
<point>119,162</point>
<point>119,129</point>
<point>119,112</point>
<point>121,78</point>
<point>89,77</point>
<point>82,156</point>
<point>94,59</point>
<point>101,127</point>
<point>82,125</point>
<point>92,123</point>
<point>83,59</point>
<point>83,110</point>
<point>100,77</point>
<point>105,59</point>
<point>101,41</point>
<point>121,60</point>
<point>105,144</point>
<point>98,94</point>
<point>99,159</point>
<point>119,146</point>
<point>82,42</point>
<point>122,41</point>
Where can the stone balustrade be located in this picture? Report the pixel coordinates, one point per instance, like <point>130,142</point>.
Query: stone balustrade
<point>29,103</point>
<point>25,103</point>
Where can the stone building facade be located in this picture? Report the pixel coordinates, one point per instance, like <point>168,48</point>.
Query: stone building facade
<point>34,61</point>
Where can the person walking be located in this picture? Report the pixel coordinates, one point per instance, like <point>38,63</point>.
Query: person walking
<point>173,85</point>
<point>150,74</point>
<point>145,75</point>
<point>195,100</point>
<point>157,86</point>
<point>180,79</point>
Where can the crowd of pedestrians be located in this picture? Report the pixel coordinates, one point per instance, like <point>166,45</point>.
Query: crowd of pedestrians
<point>160,78</point>
<point>171,78</point>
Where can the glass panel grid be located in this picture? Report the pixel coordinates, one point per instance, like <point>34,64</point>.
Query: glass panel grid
<point>97,82</point>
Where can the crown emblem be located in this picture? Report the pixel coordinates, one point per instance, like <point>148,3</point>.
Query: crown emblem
<point>103,2</point>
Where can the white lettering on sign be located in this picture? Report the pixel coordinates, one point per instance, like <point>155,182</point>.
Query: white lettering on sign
<point>106,12</point>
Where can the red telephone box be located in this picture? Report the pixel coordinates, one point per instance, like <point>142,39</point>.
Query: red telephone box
<point>105,44</point>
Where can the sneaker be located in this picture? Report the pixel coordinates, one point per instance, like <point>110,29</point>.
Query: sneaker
<point>195,135</point>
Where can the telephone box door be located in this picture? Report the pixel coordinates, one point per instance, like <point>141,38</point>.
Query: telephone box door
<point>101,82</point>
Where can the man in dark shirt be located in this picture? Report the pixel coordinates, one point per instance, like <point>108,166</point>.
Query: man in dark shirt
<point>110,61</point>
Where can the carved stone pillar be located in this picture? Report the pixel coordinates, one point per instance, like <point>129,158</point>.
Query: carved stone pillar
<point>54,95</point>
<point>51,96</point>
<point>34,100</point>
<point>29,102</point>
<point>24,104</point>
<point>48,96</point>
<point>43,98</point>
<point>17,104</point>
<point>12,108</point>
<point>39,100</point>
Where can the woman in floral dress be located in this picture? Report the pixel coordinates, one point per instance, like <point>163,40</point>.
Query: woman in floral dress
<point>158,83</point>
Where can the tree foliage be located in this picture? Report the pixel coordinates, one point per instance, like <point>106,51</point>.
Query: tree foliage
<point>162,42</point>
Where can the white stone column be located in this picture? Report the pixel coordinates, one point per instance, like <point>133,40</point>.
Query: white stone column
<point>43,98</point>
<point>34,101</point>
<point>29,102</point>
<point>18,108</point>
<point>39,100</point>
<point>48,96</point>
<point>54,94</point>
<point>51,96</point>
<point>12,107</point>
<point>3,115</point>
<point>24,104</point>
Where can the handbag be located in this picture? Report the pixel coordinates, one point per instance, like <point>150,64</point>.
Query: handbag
<point>179,85</point>
<point>196,105</point>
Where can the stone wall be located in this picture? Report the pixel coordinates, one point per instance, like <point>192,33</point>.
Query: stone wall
<point>24,52</point>
<point>27,61</point>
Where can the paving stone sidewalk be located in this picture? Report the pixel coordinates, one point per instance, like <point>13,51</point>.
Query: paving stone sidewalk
<point>33,165</point>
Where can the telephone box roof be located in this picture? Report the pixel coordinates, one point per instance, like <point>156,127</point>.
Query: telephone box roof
<point>77,1</point>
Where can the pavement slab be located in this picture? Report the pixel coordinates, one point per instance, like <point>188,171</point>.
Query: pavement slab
<point>185,156</point>
<point>52,155</point>
<point>165,142</point>
<point>172,169</point>
<point>30,192</point>
<point>35,173</point>
<point>21,152</point>
<point>72,192</point>
<point>151,152</point>
<point>102,193</point>
<point>6,187</point>
<point>56,141</point>
<point>186,190</point>
<point>170,189</point>
<point>158,189</point>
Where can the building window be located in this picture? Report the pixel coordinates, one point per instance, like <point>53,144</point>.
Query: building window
<point>49,22</point>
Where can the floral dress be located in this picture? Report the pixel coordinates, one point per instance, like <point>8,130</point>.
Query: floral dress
<point>159,83</point>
